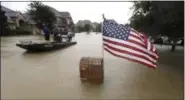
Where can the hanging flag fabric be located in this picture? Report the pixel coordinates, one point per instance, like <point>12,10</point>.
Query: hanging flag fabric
<point>125,42</point>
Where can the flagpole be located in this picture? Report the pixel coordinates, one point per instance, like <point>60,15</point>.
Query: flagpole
<point>102,36</point>
<point>102,45</point>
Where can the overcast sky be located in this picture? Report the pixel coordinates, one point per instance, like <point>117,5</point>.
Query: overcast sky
<point>119,11</point>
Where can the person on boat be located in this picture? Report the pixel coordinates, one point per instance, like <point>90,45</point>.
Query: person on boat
<point>46,32</point>
<point>57,35</point>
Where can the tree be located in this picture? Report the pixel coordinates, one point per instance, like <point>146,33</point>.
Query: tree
<point>41,13</point>
<point>164,17</point>
<point>79,29</point>
<point>87,27</point>
<point>4,24</point>
<point>98,28</point>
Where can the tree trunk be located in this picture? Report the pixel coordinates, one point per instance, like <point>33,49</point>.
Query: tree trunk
<point>173,47</point>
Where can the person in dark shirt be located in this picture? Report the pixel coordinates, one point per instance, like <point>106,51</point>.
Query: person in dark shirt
<point>46,32</point>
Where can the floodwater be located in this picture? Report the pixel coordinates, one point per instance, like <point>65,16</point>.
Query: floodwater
<point>55,74</point>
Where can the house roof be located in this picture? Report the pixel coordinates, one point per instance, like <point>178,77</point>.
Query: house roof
<point>28,19</point>
<point>65,14</point>
<point>60,14</point>
<point>5,9</point>
<point>9,12</point>
<point>57,14</point>
<point>12,13</point>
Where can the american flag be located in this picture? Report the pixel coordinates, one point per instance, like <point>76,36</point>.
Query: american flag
<point>125,42</point>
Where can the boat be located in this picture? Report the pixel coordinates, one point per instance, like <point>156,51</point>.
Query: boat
<point>44,46</point>
<point>61,32</point>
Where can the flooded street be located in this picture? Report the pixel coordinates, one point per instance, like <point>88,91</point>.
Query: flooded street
<point>55,74</point>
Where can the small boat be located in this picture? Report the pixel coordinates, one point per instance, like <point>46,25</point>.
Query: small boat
<point>60,34</point>
<point>45,46</point>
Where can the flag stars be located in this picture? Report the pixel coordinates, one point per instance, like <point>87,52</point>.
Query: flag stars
<point>114,30</point>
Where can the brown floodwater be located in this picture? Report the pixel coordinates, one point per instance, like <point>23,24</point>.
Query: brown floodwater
<point>55,74</point>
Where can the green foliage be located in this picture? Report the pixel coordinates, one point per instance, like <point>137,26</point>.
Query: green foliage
<point>154,17</point>
<point>98,28</point>
<point>41,13</point>
<point>87,27</point>
<point>79,29</point>
<point>4,24</point>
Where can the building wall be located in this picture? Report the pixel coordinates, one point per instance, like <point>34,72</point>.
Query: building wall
<point>19,17</point>
<point>12,25</point>
<point>33,29</point>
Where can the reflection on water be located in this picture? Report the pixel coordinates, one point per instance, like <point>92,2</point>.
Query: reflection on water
<point>55,74</point>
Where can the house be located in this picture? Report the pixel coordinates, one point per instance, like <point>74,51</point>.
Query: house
<point>31,24</point>
<point>15,19</point>
<point>63,18</point>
